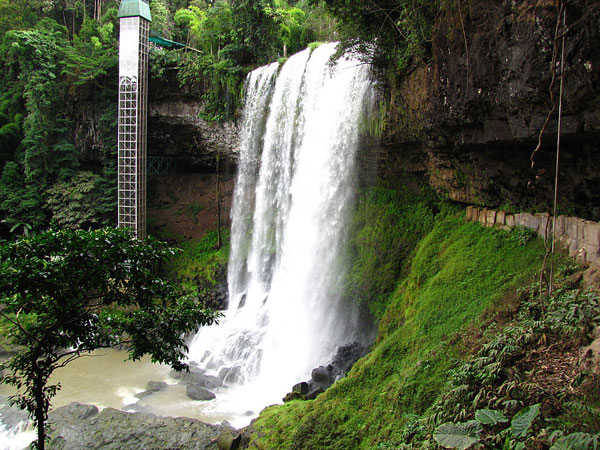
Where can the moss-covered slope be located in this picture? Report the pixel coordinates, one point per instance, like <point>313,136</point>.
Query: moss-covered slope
<point>453,274</point>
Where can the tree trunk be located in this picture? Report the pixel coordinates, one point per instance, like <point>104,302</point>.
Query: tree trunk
<point>40,413</point>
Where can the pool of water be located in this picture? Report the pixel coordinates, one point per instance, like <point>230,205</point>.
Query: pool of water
<point>106,378</point>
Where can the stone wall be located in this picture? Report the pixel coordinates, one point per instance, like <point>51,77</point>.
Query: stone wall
<point>581,237</point>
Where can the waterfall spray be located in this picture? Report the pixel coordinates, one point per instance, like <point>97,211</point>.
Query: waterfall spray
<point>290,216</point>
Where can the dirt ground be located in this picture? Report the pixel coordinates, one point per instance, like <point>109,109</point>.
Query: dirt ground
<point>183,206</point>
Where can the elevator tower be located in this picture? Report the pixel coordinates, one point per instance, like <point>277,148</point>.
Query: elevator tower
<point>134,21</point>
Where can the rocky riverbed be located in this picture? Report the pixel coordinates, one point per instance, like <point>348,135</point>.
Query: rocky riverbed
<point>78,427</point>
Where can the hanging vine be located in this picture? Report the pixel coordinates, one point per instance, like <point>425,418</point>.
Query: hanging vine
<point>549,253</point>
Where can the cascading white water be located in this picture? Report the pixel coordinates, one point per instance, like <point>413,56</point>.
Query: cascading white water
<point>289,220</point>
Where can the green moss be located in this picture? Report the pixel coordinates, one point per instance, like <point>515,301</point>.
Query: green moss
<point>387,226</point>
<point>279,422</point>
<point>198,263</point>
<point>458,270</point>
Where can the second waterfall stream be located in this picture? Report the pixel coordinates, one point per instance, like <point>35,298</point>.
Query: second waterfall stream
<point>290,219</point>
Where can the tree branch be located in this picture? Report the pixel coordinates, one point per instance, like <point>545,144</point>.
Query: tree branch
<point>19,326</point>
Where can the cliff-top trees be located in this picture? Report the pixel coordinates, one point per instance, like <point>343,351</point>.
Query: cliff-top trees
<point>388,32</point>
<point>66,293</point>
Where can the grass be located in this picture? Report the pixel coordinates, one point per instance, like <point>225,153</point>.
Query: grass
<point>456,272</point>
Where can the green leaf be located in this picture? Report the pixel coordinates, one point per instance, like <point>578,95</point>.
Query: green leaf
<point>458,435</point>
<point>490,417</point>
<point>576,441</point>
<point>523,419</point>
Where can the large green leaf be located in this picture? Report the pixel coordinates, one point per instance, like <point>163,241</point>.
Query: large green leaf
<point>576,441</point>
<point>458,435</point>
<point>523,419</point>
<point>490,417</point>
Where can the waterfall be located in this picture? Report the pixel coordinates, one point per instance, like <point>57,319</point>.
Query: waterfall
<point>290,214</point>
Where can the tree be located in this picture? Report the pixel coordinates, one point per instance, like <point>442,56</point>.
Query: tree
<point>254,31</point>
<point>388,33</point>
<point>160,17</point>
<point>65,293</point>
<point>291,27</point>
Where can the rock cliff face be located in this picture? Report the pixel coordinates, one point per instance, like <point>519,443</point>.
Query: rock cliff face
<point>470,117</point>
<point>175,129</point>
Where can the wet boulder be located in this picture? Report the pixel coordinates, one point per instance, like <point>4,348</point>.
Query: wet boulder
<point>229,440</point>
<point>151,388</point>
<point>197,392</point>
<point>198,377</point>
<point>301,388</point>
<point>323,375</point>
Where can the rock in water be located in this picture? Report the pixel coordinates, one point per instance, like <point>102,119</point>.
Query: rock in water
<point>198,392</point>
<point>198,377</point>
<point>231,374</point>
<point>151,388</point>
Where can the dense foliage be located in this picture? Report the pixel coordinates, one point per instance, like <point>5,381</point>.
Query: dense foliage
<point>47,70</point>
<point>58,90</point>
<point>389,33</point>
<point>201,266</point>
<point>66,293</point>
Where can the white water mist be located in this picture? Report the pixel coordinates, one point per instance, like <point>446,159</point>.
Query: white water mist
<point>290,217</point>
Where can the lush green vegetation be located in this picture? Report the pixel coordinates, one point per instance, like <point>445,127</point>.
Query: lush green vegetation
<point>457,272</point>
<point>388,224</point>
<point>462,335</point>
<point>59,63</point>
<point>392,34</point>
<point>48,67</point>
<point>64,294</point>
<point>200,265</point>
<point>233,37</point>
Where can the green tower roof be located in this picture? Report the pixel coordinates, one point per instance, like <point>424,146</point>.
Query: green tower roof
<point>135,8</point>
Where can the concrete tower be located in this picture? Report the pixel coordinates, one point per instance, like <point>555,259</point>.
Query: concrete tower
<point>134,19</point>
